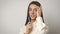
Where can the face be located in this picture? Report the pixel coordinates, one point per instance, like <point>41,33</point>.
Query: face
<point>33,11</point>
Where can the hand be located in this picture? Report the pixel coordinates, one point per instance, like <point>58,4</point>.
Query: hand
<point>28,28</point>
<point>39,9</point>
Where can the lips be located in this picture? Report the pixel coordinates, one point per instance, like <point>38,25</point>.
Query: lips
<point>32,15</point>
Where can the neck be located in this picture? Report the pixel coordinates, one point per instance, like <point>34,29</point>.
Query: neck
<point>32,20</point>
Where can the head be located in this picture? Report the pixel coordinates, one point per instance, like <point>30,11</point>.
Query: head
<point>32,11</point>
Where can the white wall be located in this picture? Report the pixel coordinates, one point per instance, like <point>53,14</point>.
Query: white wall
<point>13,15</point>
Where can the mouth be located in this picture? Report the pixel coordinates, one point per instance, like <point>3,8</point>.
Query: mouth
<point>32,16</point>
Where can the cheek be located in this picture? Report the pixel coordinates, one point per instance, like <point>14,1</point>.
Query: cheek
<point>29,13</point>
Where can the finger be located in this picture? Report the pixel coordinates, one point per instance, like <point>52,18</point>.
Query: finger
<point>28,23</point>
<point>37,11</point>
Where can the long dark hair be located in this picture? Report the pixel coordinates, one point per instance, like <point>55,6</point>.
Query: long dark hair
<point>36,3</point>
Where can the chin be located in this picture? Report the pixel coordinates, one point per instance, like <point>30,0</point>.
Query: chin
<point>33,18</point>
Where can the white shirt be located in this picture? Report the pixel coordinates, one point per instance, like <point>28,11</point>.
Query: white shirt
<point>38,27</point>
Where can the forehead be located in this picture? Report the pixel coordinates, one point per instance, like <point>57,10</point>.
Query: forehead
<point>33,6</point>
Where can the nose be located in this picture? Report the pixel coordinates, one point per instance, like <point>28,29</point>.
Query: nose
<point>32,11</point>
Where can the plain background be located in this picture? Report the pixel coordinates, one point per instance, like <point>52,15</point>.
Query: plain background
<point>13,14</point>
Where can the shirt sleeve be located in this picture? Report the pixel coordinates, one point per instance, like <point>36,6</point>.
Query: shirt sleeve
<point>42,27</point>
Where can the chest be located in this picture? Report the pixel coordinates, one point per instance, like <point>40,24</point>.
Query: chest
<point>35,29</point>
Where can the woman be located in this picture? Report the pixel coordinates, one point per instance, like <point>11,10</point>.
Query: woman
<point>34,22</point>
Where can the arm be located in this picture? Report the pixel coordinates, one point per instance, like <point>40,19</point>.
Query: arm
<point>42,27</point>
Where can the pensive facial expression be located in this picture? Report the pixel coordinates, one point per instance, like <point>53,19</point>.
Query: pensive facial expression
<point>33,11</point>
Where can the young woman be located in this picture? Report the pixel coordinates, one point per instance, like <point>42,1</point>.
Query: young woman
<point>34,22</point>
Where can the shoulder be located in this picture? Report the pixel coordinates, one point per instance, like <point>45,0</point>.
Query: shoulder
<point>45,27</point>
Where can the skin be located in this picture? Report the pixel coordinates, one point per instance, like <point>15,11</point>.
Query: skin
<point>34,12</point>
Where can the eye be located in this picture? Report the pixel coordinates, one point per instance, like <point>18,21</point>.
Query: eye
<point>30,9</point>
